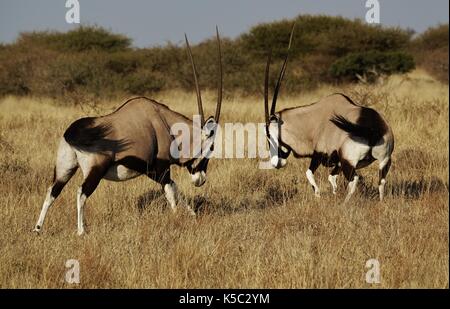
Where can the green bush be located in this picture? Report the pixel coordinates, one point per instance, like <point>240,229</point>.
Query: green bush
<point>71,74</point>
<point>22,69</point>
<point>79,40</point>
<point>319,41</point>
<point>370,64</point>
<point>333,36</point>
<point>123,63</point>
<point>143,82</point>
<point>91,62</point>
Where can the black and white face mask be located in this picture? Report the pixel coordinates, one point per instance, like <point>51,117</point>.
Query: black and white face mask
<point>278,153</point>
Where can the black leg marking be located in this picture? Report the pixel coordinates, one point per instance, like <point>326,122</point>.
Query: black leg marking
<point>58,184</point>
<point>161,174</point>
<point>336,170</point>
<point>136,164</point>
<point>348,170</point>
<point>57,188</point>
<point>315,162</point>
<point>92,180</point>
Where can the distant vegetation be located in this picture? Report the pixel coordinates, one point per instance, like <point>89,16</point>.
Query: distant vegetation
<point>431,50</point>
<point>93,62</point>
<point>367,66</point>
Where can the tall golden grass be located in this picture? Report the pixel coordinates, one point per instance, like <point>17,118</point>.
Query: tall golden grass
<point>255,228</point>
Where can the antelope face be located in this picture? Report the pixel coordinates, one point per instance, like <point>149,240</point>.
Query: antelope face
<point>277,159</point>
<point>200,165</point>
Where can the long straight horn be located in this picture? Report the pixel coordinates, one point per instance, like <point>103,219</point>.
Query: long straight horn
<point>280,77</point>
<point>197,88</point>
<point>219,91</point>
<point>266,88</point>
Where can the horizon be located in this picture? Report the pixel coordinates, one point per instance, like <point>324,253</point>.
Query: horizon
<point>166,24</point>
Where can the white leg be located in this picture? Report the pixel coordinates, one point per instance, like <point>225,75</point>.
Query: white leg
<point>381,188</point>
<point>351,188</point>
<point>333,180</point>
<point>49,199</point>
<point>81,199</point>
<point>172,196</point>
<point>384,168</point>
<point>171,193</point>
<point>66,165</point>
<point>312,181</point>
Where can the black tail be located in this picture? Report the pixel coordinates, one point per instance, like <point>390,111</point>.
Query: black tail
<point>369,126</point>
<point>84,136</point>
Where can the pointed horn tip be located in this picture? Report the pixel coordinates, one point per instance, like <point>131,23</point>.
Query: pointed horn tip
<point>291,36</point>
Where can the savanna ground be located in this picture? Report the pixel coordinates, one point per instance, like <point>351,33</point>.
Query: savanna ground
<point>255,229</point>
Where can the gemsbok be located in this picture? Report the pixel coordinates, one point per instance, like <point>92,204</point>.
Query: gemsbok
<point>134,140</point>
<point>334,132</point>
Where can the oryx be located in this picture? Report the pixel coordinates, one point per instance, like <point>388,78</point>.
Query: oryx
<point>136,139</point>
<point>334,132</point>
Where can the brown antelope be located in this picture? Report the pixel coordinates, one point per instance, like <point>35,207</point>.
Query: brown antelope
<point>334,132</point>
<point>134,140</point>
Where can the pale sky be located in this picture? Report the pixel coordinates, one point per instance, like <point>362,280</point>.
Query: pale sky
<point>155,22</point>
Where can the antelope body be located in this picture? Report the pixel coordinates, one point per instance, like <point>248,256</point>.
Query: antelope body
<point>334,132</point>
<point>134,140</point>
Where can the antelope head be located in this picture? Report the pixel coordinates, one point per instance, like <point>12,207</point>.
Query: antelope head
<point>197,168</point>
<point>277,149</point>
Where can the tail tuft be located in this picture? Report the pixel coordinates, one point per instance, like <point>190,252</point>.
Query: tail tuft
<point>83,135</point>
<point>372,130</point>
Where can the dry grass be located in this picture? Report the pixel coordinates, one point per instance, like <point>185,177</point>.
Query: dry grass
<point>256,228</point>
